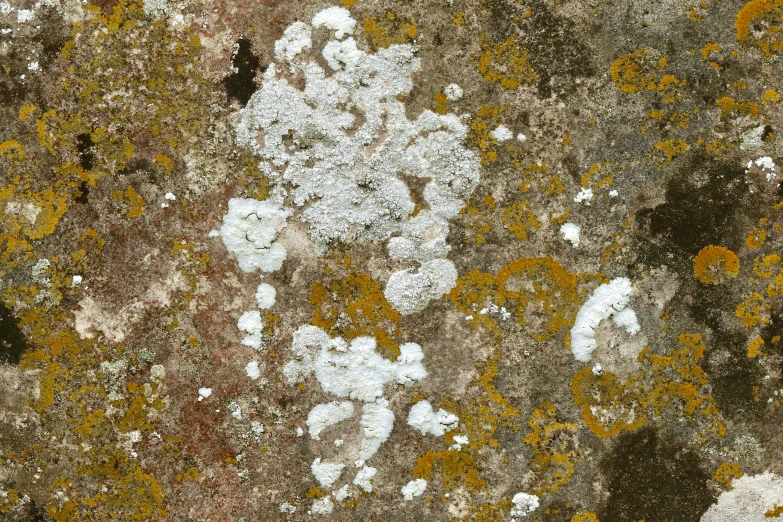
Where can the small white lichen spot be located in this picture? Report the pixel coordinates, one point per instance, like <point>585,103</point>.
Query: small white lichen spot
<point>749,499</point>
<point>585,196</point>
<point>299,431</point>
<point>76,280</point>
<point>170,196</point>
<point>502,133</point>
<point>459,441</point>
<point>767,166</point>
<point>252,370</point>
<point>32,66</point>
<point>249,231</point>
<point>286,507</point>
<point>338,19</point>
<point>24,15</point>
<point>414,488</point>
<point>265,296</point>
<point>342,493</point>
<point>524,504</point>
<point>613,193</point>
<point>607,300</point>
<point>324,415</point>
<point>570,233</point>
<point>423,418</point>
<point>453,92</point>
<point>204,393</point>
<point>251,324</point>
<point>521,137</point>
<point>326,473</point>
<point>363,478</point>
<point>322,506</point>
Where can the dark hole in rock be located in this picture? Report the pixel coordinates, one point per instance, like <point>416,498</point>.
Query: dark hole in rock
<point>240,85</point>
<point>12,341</point>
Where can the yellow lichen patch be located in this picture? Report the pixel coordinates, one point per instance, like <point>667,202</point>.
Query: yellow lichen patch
<point>480,133</point>
<point>775,512</point>
<point>754,349</point>
<point>631,72</point>
<point>668,150</point>
<point>478,217</point>
<point>672,383</point>
<point>729,105</point>
<point>538,291</point>
<point>440,103</point>
<point>506,64</point>
<point>753,311</point>
<point>766,267</point>
<point>555,450</point>
<point>165,162</point>
<point>353,305</point>
<point>598,175</point>
<point>542,294</point>
<point>130,198</point>
<point>519,220</point>
<point>26,111</point>
<point>455,468</point>
<point>726,472</point>
<point>389,29</point>
<point>756,238</point>
<point>767,15</point>
<point>585,516</point>
<point>715,265</point>
<point>11,149</point>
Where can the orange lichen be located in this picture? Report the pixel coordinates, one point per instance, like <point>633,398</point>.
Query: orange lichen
<point>753,310</point>
<point>538,291</point>
<point>477,216</point>
<point>768,38</point>
<point>585,516</point>
<point>555,450</point>
<point>630,72</point>
<point>130,198</point>
<point>672,383</point>
<point>669,149</point>
<point>756,238</point>
<point>353,305</point>
<point>775,512</point>
<point>480,133</point>
<point>389,29</point>
<point>519,220</point>
<point>726,472</point>
<point>754,348</point>
<point>506,64</point>
<point>715,265</point>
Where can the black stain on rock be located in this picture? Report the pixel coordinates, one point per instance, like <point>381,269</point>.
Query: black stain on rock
<point>654,478</point>
<point>241,84</point>
<point>84,192</point>
<point>12,340</point>
<point>704,200</point>
<point>84,146</point>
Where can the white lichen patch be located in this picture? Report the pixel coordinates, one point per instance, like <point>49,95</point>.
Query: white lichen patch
<point>607,300</point>
<point>324,415</point>
<point>363,478</point>
<point>414,488</point>
<point>249,230</point>
<point>748,501</point>
<point>353,371</point>
<point>570,233</point>
<point>452,92</point>
<point>585,196</point>
<point>340,143</point>
<point>426,420</point>
<point>524,504</point>
<point>252,370</point>
<point>251,324</point>
<point>265,296</point>
<point>502,133</point>
<point>326,473</point>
